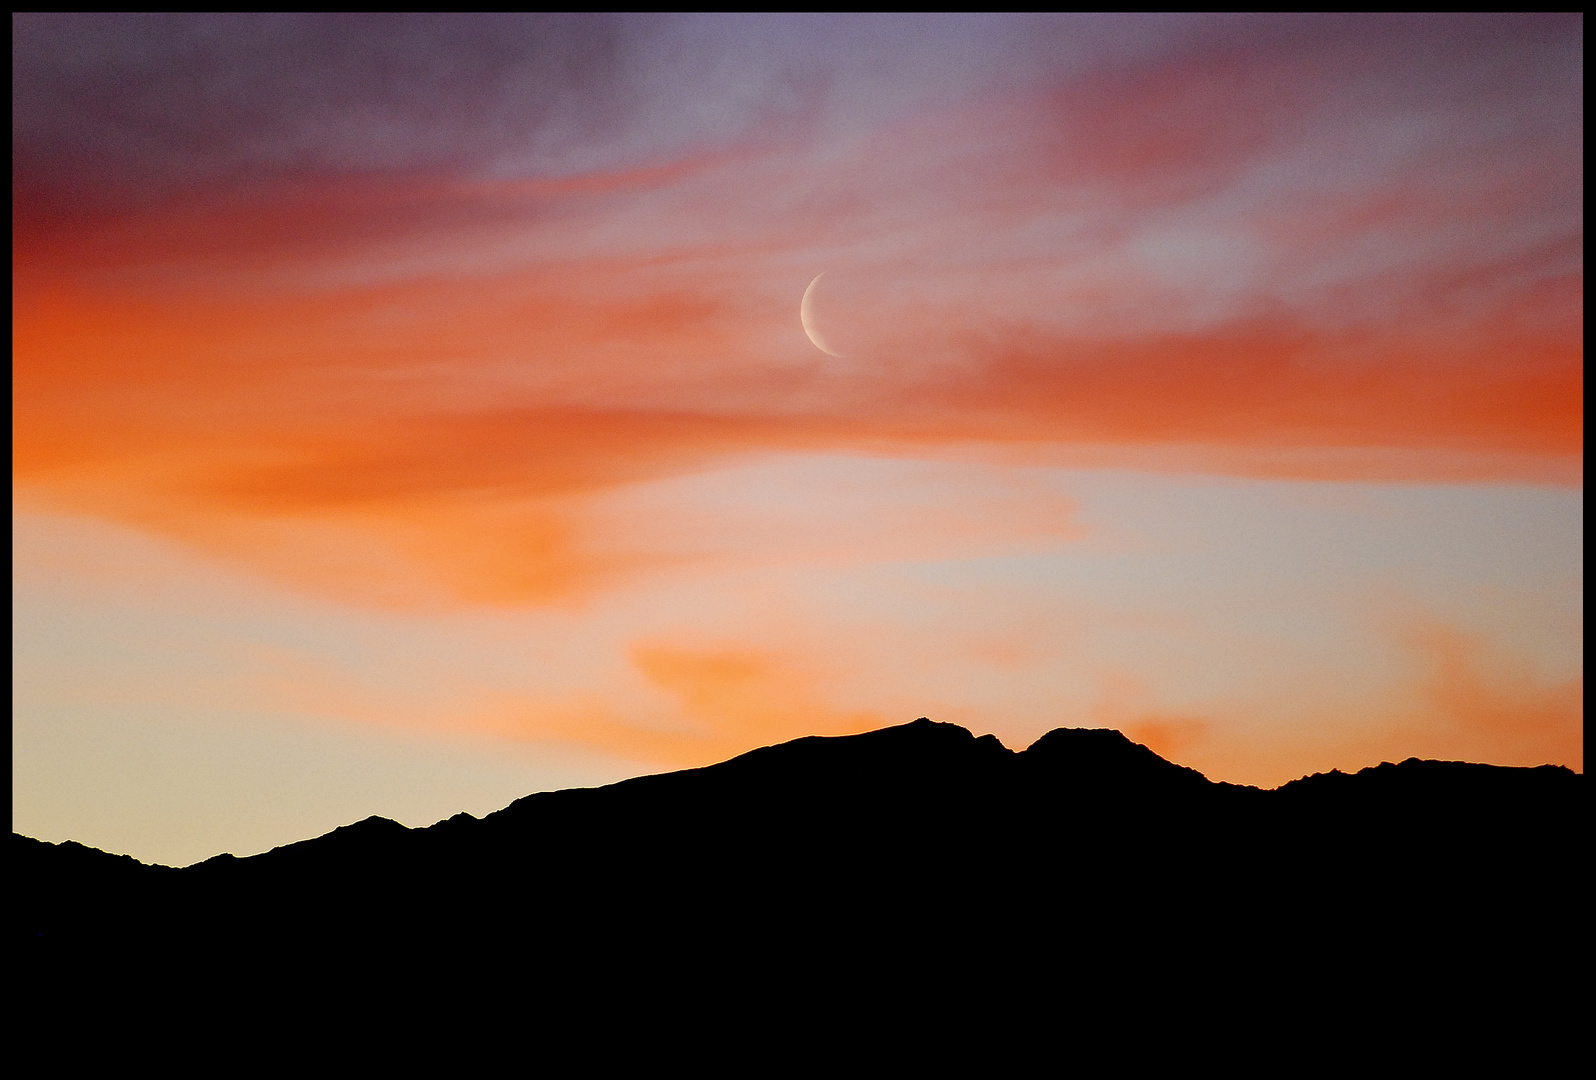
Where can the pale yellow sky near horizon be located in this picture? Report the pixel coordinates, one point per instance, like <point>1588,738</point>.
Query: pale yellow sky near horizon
<point>171,707</point>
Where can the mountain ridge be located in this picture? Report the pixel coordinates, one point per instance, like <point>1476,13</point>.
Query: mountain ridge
<point>1096,758</point>
<point>832,877</point>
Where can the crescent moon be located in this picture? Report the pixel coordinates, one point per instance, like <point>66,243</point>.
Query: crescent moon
<point>806,315</point>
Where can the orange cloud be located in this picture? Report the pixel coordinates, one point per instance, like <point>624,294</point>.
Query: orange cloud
<point>404,413</point>
<point>727,702</point>
<point>1122,705</point>
<point>427,377</point>
<point>1461,699</point>
<point>745,697</point>
<point>1169,737</point>
<point>1278,386</point>
<point>1485,706</point>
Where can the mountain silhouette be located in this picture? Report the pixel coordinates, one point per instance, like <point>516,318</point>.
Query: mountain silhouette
<point>914,856</point>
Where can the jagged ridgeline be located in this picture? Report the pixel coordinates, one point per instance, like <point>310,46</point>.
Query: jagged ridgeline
<point>915,842</point>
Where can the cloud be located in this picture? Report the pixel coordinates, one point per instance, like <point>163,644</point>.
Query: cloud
<point>1481,704</point>
<point>151,103</point>
<point>727,700</point>
<point>1456,695</point>
<point>116,110</point>
<point>1168,737</point>
<point>1123,704</point>
<point>399,301</point>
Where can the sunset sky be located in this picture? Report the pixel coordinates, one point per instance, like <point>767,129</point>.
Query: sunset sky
<point>414,412</point>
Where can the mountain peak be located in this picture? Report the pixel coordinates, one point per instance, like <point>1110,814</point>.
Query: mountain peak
<point>1104,756</point>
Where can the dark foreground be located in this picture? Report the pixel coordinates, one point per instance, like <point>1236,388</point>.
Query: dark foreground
<point>914,867</point>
